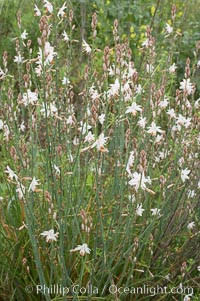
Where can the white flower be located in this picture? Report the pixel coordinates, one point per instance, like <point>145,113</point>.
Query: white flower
<point>70,120</point>
<point>76,141</point>
<point>168,28</point>
<point>11,174</point>
<point>99,143</point>
<point>172,68</point>
<point>134,108</point>
<point>142,122</point>
<point>57,170</point>
<point>139,180</point>
<point>38,69</point>
<point>181,161</point>
<point>22,127</point>
<point>158,138</point>
<point>49,53</point>
<point>191,225</point>
<point>1,124</point>
<point>33,185</point>
<point>149,68</point>
<point>130,162</point>
<point>37,11</point>
<point>29,98</point>
<point>197,103</point>
<point>84,128</point>
<point>20,190</point>
<point>65,36</point>
<point>6,132</point>
<point>181,120</point>
<point>171,113</point>
<point>132,198</point>
<point>187,86</point>
<point>88,111</point>
<point>131,70</point>
<point>94,93</point>
<point>50,235</point>
<point>127,94</point>
<point>2,74</point>
<point>89,137</point>
<point>164,103</point>
<point>83,249</point>
<point>86,48</point>
<point>162,155</point>
<point>139,89</point>
<point>187,122</point>
<point>65,81</point>
<point>45,57</point>
<point>114,88</point>
<point>18,58</point>
<point>198,268</point>
<point>146,43</point>
<point>61,11</point>
<point>155,211</point>
<point>111,70</point>
<point>49,109</point>
<point>126,87</point>
<point>48,6</point>
<point>168,277</point>
<point>139,210</point>
<point>154,129</point>
<point>24,35</point>
<point>101,118</point>
<point>184,174</point>
<point>191,193</point>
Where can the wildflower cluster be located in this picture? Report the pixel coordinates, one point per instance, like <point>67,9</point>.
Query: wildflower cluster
<point>109,162</point>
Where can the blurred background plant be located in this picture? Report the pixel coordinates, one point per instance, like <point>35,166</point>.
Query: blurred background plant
<point>133,17</point>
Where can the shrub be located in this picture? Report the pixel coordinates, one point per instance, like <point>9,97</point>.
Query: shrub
<point>100,164</point>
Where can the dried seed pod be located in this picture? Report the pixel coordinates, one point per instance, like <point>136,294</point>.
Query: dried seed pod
<point>94,24</point>
<point>19,19</point>
<point>106,60</point>
<point>136,243</point>
<point>143,161</point>
<point>173,11</point>
<point>162,181</point>
<point>71,16</point>
<point>115,30</point>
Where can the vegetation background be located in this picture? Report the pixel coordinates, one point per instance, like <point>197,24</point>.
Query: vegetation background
<point>83,192</point>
